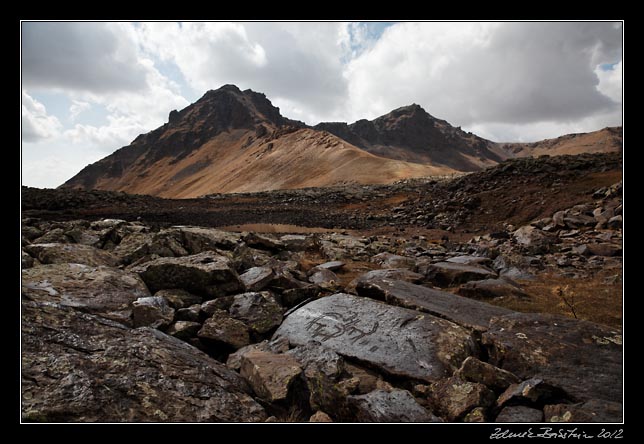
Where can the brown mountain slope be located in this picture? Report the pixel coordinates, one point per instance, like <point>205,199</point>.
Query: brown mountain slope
<point>606,140</point>
<point>234,141</point>
<point>410,133</point>
<point>300,158</point>
<point>237,141</point>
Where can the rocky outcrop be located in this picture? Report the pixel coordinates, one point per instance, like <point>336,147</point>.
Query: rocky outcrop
<point>582,358</point>
<point>78,367</point>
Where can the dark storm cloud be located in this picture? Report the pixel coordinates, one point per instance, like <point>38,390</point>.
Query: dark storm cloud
<point>78,56</point>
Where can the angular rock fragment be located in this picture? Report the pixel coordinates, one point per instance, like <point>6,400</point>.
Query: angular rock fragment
<point>207,274</point>
<point>221,328</point>
<point>270,375</point>
<point>257,278</point>
<point>259,311</point>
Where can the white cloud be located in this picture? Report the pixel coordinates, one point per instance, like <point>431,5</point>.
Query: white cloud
<point>297,65</point>
<point>36,123</point>
<point>610,82</point>
<point>77,107</point>
<point>486,73</point>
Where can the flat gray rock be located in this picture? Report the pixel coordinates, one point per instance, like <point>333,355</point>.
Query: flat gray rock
<point>396,340</point>
<point>463,311</point>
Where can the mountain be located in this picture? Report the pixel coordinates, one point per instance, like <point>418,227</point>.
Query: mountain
<point>236,141</point>
<point>411,134</point>
<point>606,140</point>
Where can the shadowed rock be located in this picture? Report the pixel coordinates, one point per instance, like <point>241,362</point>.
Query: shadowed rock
<point>491,288</point>
<point>453,397</point>
<point>594,410</point>
<point>582,358</point>
<point>221,328</point>
<point>520,413</point>
<point>396,340</point>
<point>83,368</point>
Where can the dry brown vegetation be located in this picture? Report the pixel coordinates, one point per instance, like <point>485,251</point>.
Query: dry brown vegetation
<point>597,299</point>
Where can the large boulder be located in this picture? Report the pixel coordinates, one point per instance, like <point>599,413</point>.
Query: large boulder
<point>197,239</point>
<point>395,340</point>
<point>138,246</point>
<point>394,406</point>
<point>57,253</point>
<point>106,291</point>
<point>463,311</point>
<point>580,357</point>
<point>78,367</point>
<point>207,274</point>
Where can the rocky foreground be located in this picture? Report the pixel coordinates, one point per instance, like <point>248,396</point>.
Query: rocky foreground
<point>122,321</point>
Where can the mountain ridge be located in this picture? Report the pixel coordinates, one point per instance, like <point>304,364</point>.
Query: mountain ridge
<point>237,141</point>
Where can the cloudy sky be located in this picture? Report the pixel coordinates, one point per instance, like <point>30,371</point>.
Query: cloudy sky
<point>91,88</point>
